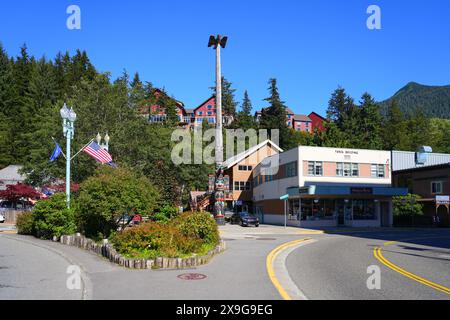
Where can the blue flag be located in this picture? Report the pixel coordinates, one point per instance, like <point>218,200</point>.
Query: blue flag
<point>56,153</point>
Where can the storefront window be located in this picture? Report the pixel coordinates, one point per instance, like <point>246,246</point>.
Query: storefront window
<point>364,210</point>
<point>323,209</point>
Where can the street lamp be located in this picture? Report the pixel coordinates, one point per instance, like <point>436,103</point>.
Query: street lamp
<point>69,116</point>
<point>99,141</point>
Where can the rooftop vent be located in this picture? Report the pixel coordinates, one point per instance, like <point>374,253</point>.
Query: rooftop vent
<point>422,154</point>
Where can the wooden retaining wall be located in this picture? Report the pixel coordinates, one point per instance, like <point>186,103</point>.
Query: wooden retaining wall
<point>106,250</point>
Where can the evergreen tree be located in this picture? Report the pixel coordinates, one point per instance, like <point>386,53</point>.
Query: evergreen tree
<point>7,100</point>
<point>395,131</point>
<point>369,134</point>
<point>244,119</point>
<point>274,117</point>
<point>229,103</point>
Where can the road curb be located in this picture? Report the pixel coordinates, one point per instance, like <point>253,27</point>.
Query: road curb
<point>278,273</point>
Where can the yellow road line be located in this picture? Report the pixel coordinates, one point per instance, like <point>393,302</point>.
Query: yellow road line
<point>378,255</point>
<point>269,265</point>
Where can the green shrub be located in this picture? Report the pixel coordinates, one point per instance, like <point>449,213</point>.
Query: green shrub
<point>25,224</point>
<point>165,214</point>
<point>52,218</point>
<point>106,196</point>
<point>151,240</point>
<point>407,205</point>
<point>198,225</point>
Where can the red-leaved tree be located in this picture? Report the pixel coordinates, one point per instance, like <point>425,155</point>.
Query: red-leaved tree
<point>15,193</point>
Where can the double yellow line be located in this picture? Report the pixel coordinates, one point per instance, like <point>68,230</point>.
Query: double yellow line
<point>269,265</point>
<point>378,255</point>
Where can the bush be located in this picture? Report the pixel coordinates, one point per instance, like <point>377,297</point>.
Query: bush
<point>52,218</point>
<point>198,225</point>
<point>106,196</point>
<point>151,240</point>
<point>408,206</point>
<point>25,224</point>
<point>165,214</point>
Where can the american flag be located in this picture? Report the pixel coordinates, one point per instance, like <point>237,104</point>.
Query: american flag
<point>98,153</point>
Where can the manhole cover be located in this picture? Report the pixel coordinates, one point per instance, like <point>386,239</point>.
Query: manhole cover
<point>192,276</point>
<point>266,239</point>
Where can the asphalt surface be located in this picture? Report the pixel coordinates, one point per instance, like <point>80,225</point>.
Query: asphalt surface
<point>238,273</point>
<point>335,266</point>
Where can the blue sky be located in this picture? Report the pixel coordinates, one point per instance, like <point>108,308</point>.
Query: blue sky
<point>311,46</point>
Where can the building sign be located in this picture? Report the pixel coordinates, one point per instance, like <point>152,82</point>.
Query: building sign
<point>442,200</point>
<point>361,190</point>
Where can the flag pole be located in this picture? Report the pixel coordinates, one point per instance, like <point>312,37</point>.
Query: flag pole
<point>64,155</point>
<point>82,149</point>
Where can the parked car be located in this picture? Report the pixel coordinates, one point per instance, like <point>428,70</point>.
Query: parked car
<point>19,205</point>
<point>228,214</point>
<point>2,218</point>
<point>245,219</point>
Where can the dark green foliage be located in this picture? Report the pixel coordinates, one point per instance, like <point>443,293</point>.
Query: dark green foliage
<point>229,103</point>
<point>25,224</point>
<point>189,233</point>
<point>198,224</point>
<point>109,194</point>
<point>408,205</point>
<point>274,117</point>
<point>432,101</point>
<point>52,218</point>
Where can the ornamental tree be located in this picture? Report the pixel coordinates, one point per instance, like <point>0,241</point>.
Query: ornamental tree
<point>17,192</point>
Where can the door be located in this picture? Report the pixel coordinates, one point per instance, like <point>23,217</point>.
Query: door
<point>340,210</point>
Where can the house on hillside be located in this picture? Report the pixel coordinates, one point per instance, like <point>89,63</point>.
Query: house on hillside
<point>191,118</point>
<point>299,122</point>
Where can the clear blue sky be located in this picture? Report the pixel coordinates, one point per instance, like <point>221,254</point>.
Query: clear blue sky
<point>311,46</point>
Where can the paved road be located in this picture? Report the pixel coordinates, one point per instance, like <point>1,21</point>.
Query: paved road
<point>335,266</point>
<point>238,273</point>
<point>332,267</point>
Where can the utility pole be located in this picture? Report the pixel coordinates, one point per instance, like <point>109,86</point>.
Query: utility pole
<point>219,194</point>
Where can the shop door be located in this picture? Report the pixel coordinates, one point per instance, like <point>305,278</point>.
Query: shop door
<point>340,209</point>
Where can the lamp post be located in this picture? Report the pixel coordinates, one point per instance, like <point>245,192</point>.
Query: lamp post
<point>69,116</point>
<point>99,141</point>
<point>219,194</point>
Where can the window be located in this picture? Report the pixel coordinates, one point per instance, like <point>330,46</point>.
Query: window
<point>374,171</point>
<point>377,171</point>
<point>436,187</point>
<point>355,170</point>
<point>245,168</point>
<point>364,210</point>
<point>242,185</point>
<point>200,113</point>
<point>209,106</point>
<point>249,168</point>
<point>209,113</point>
<point>236,186</point>
<point>347,169</point>
<point>319,169</point>
<point>310,168</point>
<point>291,169</point>
<point>380,171</point>
<point>339,169</point>
<point>211,120</point>
<point>315,168</point>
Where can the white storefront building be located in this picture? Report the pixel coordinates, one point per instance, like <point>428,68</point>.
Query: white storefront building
<point>327,187</point>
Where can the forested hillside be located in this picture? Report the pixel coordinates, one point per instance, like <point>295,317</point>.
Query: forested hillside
<point>433,101</point>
